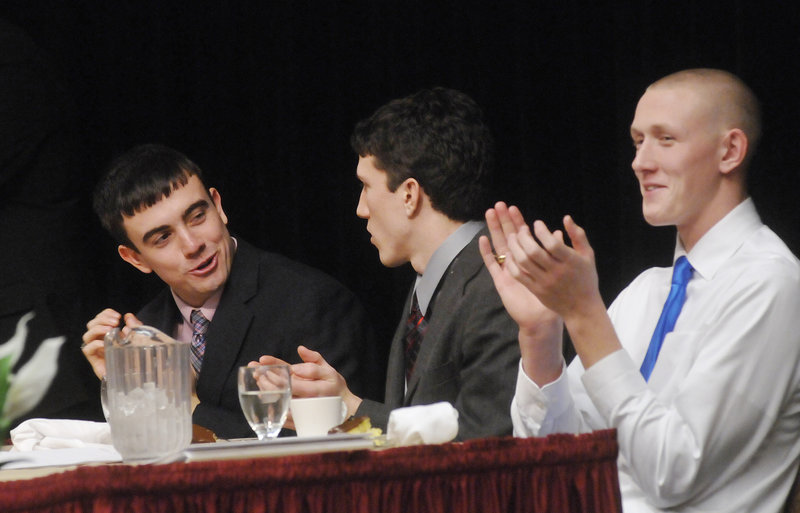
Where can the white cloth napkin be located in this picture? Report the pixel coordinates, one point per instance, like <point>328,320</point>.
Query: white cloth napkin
<point>37,434</point>
<point>426,424</point>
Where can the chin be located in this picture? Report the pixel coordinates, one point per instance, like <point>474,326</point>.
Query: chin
<point>391,261</point>
<point>656,220</point>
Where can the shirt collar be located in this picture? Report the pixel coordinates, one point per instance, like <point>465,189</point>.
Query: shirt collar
<point>208,308</point>
<point>722,240</point>
<point>426,283</point>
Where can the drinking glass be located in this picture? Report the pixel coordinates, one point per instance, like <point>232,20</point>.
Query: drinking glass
<point>264,394</point>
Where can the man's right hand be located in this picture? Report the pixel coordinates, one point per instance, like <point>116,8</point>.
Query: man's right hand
<point>540,328</point>
<point>96,329</point>
<point>315,377</point>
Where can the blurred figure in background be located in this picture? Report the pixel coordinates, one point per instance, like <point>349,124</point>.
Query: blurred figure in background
<point>46,258</point>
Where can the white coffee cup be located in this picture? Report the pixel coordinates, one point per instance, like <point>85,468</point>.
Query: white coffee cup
<point>314,416</point>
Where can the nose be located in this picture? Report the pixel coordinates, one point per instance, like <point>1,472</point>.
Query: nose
<point>191,244</point>
<point>643,160</point>
<point>361,209</point>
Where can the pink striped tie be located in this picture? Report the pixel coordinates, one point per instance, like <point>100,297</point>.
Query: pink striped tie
<point>200,326</point>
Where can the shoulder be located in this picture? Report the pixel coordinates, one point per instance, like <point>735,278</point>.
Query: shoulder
<point>764,265</point>
<point>292,272</point>
<point>474,300</point>
<point>161,308</point>
<point>279,275</point>
<point>765,250</point>
<point>468,268</point>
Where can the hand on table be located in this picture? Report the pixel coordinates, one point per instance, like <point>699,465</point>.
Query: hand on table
<point>316,378</point>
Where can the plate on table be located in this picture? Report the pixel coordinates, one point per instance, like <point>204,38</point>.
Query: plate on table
<point>285,446</point>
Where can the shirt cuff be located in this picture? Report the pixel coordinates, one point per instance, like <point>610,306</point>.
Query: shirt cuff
<point>533,405</point>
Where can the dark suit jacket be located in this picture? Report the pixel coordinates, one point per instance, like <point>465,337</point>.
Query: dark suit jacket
<point>270,305</point>
<point>468,357</point>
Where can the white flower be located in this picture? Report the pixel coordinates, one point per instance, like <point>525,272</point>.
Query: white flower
<point>27,387</point>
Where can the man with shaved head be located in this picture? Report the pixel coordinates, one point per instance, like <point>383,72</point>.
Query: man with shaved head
<point>695,366</point>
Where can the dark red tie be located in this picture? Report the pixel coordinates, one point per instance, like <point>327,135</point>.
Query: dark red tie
<point>415,330</point>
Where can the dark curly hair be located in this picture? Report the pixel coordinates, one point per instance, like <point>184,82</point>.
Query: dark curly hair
<point>438,137</point>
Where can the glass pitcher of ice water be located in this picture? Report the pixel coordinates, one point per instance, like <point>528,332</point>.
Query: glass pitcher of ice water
<point>148,393</point>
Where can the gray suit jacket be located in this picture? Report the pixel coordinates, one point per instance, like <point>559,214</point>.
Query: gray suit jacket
<point>468,357</point>
<point>270,306</point>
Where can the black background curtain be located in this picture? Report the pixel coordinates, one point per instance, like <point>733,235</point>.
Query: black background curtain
<point>263,96</point>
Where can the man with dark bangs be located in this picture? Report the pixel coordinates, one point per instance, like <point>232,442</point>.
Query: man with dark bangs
<point>166,220</point>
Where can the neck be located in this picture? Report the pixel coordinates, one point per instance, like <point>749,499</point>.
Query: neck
<point>429,234</point>
<point>691,232</point>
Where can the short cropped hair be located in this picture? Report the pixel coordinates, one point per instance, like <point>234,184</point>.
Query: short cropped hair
<point>136,180</point>
<point>439,138</point>
<point>729,96</point>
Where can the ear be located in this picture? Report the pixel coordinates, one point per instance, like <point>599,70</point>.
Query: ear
<point>734,150</point>
<point>217,199</point>
<point>412,196</point>
<point>133,257</point>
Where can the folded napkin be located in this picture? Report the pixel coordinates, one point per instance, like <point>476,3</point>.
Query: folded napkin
<point>36,434</point>
<point>426,424</point>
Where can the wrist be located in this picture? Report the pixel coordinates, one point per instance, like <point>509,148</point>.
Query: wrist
<point>352,402</point>
<point>541,354</point>
<point>593,335</point>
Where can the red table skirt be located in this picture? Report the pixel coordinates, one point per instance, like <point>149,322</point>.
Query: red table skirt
<point>559,473</point>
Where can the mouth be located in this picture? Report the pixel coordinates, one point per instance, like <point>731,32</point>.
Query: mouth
<point>651,187</point>
<point>206,266</point>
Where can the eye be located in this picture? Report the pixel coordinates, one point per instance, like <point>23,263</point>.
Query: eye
<point>161,239</point>
<point>197,217</point>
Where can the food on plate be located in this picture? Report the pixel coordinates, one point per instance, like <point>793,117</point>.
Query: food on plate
<point>356,425</point>
<point>201,435</point>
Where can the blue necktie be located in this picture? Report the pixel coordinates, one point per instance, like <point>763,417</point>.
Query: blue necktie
<point>677,294</point>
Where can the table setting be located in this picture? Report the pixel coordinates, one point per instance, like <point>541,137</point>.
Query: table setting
<point>147,456</point>
<point>146,400</point>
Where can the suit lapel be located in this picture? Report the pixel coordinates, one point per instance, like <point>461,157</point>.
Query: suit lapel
<point>440,319</point>
<point>230,325</point>
<point>446,301</point>
<point>395,372</point>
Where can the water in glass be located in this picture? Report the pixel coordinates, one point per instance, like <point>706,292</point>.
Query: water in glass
<point>264,395</point>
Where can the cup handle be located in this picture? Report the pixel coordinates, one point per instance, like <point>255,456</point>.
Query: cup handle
<point>344,413</point>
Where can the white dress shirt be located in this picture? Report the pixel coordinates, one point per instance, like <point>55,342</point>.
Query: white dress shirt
<point>717,427</point>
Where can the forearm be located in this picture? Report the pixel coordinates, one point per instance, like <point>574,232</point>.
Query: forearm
<point>541,351</point>
<point>592,333</point>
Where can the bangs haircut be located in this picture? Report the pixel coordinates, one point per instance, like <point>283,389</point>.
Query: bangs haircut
<point>137,180</point>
